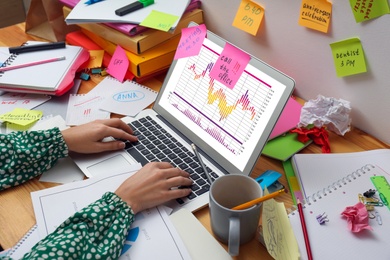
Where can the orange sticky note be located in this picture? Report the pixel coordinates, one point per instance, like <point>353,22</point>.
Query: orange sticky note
<point>315,14</point>
<point>249,16</point>
<point>119,64</point>
<point>95,58</point>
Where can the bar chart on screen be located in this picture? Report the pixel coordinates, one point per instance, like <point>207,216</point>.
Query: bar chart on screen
<point>228,115</point>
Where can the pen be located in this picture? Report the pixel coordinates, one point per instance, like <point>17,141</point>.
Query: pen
<point>37,47</point>
<point>31,64</point>
<point>201,163</point>
<point>258,200</point>
<point>133,7</point>
<point>304,230</point>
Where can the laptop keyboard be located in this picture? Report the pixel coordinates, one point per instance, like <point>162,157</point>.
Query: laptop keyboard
<point>155,144</point>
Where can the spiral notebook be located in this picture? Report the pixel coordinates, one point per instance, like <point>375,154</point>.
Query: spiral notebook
<point>53,78</point>
<point>333,240</point>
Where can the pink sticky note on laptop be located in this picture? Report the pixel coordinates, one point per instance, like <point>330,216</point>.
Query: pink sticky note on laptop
<point>190,41</point>
<point>230,65</point>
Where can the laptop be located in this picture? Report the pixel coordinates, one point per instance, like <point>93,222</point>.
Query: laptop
<point>228,126</point>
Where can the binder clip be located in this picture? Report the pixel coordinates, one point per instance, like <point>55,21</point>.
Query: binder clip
<point>369,194</point>
<point>269,180</point>
<point>322,218</point>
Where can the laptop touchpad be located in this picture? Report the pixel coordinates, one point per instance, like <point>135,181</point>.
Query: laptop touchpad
<point>115,164</point>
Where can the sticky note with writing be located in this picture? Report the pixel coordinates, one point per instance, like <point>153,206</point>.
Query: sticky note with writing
<point>190,41</point>
<point>119,64</point>
<point>315,14</point>
<point>249,16</point>
<point>159,21</point>
<point>230,65</point>
<point>364,10</point>
<point>348,57</point>
<point>21,116</point>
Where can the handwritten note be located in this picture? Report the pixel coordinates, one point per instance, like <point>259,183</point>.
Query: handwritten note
<point>315,14</point>
<point>348,57</point>
<point>21,116</point>
<point>10,100</point>
<point>119,64</point>
<point>159,21</point>
<point>364,10</point>
<point>95,58</point>
<point>277,231</point>
<point>230,65</point>
<point>190,41</point>
<point>249,17</point>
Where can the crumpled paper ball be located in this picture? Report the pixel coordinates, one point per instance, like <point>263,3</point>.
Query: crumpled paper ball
<point>357,217</point>
<point>330,112</point>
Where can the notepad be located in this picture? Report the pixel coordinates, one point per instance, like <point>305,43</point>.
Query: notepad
<point>54,78</point>
<point>333,240</point>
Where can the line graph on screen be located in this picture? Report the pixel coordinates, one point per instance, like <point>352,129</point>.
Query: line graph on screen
<point>228,115</point>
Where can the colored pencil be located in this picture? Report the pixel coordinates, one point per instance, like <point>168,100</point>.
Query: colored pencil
<point>304,230</point>
<point>258,200</point>
<point>31,64</point>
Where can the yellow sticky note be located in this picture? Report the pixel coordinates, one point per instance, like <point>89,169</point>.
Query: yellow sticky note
<point>95,58</point>
<point>249,16</point>
<point>348,57</point>
<point>315,14</point>
<point>159,21</point>
<point>21,116</point>
<point>278,234</point>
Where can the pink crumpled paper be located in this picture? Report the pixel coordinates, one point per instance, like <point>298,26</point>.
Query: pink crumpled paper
<point>357,217</point>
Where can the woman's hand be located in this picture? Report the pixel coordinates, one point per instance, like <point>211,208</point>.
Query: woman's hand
<point>154,184</point>
<point>88,138</point>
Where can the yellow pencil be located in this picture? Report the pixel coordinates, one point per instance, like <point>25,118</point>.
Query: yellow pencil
<point>258,200</point>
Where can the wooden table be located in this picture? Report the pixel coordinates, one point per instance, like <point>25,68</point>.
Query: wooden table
<point>16,210</point>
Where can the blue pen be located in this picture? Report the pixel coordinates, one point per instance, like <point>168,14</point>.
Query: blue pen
<point>90,2</point>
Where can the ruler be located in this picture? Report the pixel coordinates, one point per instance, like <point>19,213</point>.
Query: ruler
<point>383,188</point>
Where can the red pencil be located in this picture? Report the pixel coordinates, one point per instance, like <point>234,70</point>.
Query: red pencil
<point>305,235</point>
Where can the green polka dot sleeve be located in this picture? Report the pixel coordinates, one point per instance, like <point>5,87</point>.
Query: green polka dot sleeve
<point>96,232</point>
<point>25,155</point>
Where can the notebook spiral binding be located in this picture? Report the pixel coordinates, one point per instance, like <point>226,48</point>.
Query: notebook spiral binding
<point>334,186</point>
<point>9,61</point>
<point>21,241</point>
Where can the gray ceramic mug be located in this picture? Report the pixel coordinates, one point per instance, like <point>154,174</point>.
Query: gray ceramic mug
<point>234,227</point>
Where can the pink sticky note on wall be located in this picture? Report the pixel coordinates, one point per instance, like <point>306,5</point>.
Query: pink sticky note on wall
<point>230,65</point>
<point>190,41</point>
<point>119,64</point>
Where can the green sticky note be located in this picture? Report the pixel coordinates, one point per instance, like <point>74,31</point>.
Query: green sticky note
<point>159,21</point>
<point>348,57</point>
<point>21,116</point>
<point>364,10</point>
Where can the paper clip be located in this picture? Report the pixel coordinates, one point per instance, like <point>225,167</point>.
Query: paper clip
<point>322,218</point>
<point>378,218</point>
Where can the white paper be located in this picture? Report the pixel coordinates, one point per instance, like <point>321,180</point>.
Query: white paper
<point>85,108</point>
<point>152,235</point>
<point>10,101</point>
<point>127,98</point>
<point>330,112</point>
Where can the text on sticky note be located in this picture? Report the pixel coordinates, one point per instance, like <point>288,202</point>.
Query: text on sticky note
<point>230,65</point>
<point>315,14</point>
<point>191,41</point>
<point>249,16</point>
<point>364,10</point>
<point>348,57</point>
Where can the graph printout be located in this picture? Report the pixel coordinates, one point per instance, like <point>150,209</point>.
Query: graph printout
<point>231,120</point>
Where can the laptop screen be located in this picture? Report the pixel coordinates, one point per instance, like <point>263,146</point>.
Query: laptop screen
<point>230,125</point>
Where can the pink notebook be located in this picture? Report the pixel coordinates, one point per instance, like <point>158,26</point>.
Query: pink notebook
<point>289,118</point>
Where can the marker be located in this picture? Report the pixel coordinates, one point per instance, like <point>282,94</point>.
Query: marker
<point>133,7</point>
<point>37,47</point>
<point>31,64</point>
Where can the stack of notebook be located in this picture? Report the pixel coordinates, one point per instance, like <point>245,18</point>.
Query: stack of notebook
<point>150,51</point>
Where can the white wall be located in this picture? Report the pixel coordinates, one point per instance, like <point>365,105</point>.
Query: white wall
<point>305,55</point>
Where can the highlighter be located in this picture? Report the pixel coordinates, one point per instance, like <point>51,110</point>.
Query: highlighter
<point>133,7</point>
